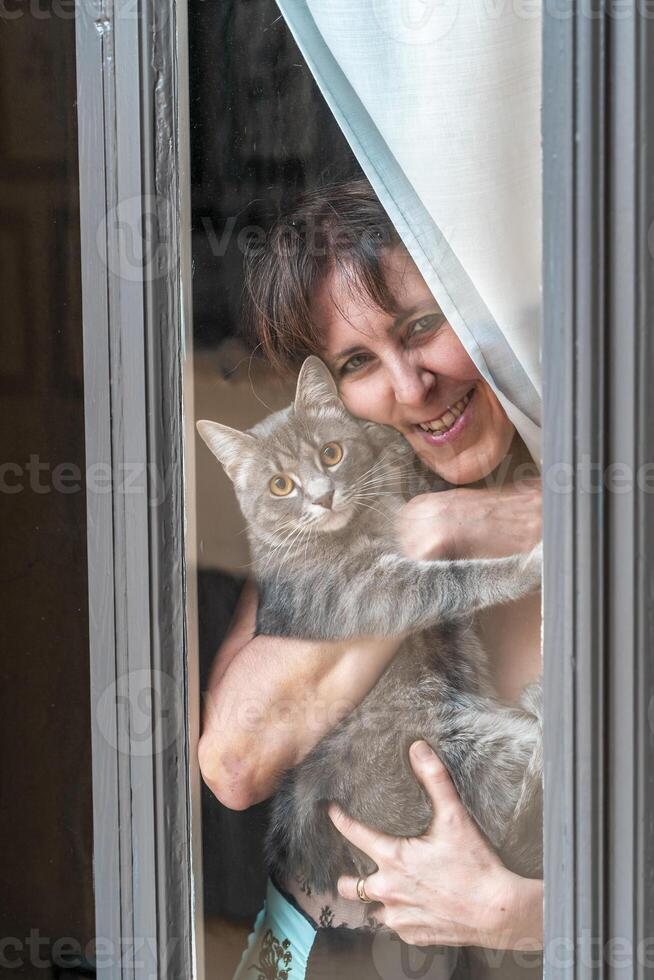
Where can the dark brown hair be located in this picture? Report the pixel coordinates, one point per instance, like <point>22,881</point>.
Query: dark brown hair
<point>342,226</point>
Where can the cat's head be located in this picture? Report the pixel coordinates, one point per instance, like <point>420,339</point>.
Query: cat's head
<point>302,466</point>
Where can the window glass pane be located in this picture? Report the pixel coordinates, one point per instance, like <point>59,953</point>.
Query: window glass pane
<point>261,135</point>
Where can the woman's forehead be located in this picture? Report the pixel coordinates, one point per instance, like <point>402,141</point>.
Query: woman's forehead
<point>343,314</point>
<point>402,274</point>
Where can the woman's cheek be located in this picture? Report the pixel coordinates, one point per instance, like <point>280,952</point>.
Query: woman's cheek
<point>497,430</point>
<point>446,356</point>
<point>367,400</point>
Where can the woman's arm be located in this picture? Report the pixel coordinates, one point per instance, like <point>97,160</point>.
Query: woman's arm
<point>270,700</point>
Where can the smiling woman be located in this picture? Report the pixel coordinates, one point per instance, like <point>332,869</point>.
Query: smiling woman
<point>333,279</point>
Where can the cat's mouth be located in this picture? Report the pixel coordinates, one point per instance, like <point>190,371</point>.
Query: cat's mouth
<point>334,520</point>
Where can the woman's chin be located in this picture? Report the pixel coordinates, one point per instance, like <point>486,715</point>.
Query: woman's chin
<point>460,465</point>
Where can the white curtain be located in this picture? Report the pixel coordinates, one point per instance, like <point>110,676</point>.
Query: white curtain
<point>440,102</point>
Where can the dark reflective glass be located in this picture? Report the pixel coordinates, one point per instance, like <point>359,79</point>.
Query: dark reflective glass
<point>46,889</point>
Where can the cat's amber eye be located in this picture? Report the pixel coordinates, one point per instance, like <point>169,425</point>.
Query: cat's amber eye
<point>281,485</point>
<point>331,454</point>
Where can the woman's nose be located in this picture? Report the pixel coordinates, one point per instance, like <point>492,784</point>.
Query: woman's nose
<point>412,384</point>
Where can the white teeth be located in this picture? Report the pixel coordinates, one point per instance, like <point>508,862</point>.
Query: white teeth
<point>448,418</point>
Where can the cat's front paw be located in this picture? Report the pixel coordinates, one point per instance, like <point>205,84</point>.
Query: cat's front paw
<point>531,699</point>
<point>533,568</point>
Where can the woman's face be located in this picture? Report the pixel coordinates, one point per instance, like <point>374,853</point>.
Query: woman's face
<point>410,371</point>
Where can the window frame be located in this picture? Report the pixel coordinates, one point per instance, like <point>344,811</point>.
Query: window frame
<point>132,85</point>
<point>598,543</point>
<point>598,291</point>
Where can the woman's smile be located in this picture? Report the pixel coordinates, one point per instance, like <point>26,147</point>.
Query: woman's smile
<point>450,424</point>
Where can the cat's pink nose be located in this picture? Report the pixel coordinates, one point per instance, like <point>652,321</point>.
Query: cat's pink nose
<point>325,500</point>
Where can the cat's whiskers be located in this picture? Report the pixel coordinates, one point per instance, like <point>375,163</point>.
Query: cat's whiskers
<point>295,528</point>
<point>385,488</point>
<point>380,477</point>
<point>306,542</point>
<point>288,533</point>
<point>384,469</point>
<point>381,459</point>
<point>383,472</point>
<point>283,527</point>
<point>277,543</point>
<point>376,493</point>
<point>380,473</point>
<point>386,517</point>
<point>296,543</point>
<point>381,485</point>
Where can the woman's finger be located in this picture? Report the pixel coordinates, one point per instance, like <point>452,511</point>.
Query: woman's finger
<point>347,888</point>
<point>437,782</point>
<point>373,843</point>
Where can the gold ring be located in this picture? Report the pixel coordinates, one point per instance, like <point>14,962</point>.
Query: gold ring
<point>361,891</point>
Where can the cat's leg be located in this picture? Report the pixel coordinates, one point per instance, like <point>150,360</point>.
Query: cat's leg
<point>524,841</point>
<point>302,842</point>
<point>531,699</point>
<point>499,779</point>
<point>489,751</point>
<point>390,595</point>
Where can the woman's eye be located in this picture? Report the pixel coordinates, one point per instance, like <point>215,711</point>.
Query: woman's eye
<point>281,485</point>
<point>353,363</point>
<point>331,454</point>
<point>425,324</point>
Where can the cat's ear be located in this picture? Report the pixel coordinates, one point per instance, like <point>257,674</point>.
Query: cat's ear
<point>315,386</point>
<point>229,446</point>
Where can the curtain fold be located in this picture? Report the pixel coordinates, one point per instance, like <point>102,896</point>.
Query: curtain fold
<point>440,102</point>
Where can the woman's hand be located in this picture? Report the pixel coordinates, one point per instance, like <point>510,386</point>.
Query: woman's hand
<point>449,887</point>
<point>465,523</point>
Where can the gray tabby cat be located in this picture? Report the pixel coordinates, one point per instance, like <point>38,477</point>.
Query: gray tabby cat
<point>320,491</point>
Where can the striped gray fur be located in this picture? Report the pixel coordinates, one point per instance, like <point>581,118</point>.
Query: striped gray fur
<point>336,573</point>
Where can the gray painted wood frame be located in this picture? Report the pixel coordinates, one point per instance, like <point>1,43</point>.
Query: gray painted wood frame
<point>134,189</point>
<point>598,358</point>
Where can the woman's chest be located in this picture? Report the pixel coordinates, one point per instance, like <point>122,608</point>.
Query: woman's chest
<point>511,635</point>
